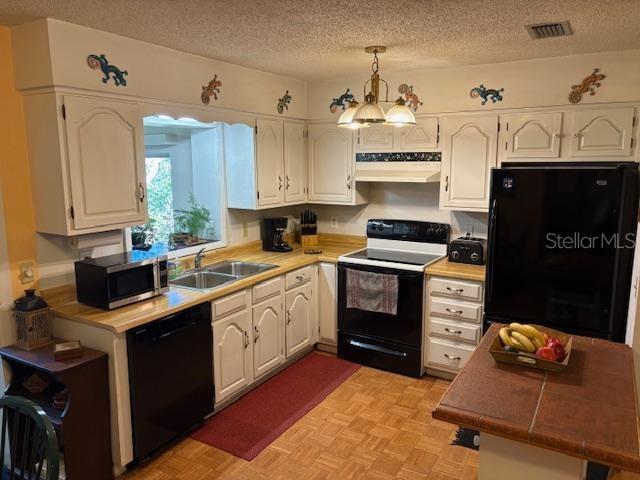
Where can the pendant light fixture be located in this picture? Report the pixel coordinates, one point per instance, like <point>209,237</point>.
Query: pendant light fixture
<point>370,112</point>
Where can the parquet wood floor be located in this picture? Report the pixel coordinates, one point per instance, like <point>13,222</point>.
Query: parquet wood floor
<point>376,425</point>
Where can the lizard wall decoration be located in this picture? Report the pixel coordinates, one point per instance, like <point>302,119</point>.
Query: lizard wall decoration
<point>589,84</point>
<point>110,72</point>
<point>283,103</point>
<point>341,102</point>
<point>211,90</point>
<point>413,102</point>
<point>486,94</point>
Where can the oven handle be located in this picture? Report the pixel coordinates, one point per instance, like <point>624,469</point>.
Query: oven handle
<point>377,348</point>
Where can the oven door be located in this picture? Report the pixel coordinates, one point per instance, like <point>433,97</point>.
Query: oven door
<point>131,284</point>
<point>404,328</point>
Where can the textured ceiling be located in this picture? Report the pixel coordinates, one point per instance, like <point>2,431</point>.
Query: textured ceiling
<point>319,39</point>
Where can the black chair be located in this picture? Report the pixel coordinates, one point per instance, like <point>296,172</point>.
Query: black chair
<point>32,441</point>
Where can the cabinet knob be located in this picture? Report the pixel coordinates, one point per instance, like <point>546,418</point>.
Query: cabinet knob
<point>246,340</point>
<point>349,182</point>
<point>288,317</point>
<point>141,192</point>
<point>446,183</point>
<point>288,182</point>
<point>279,182</point>
<point>257,335</point>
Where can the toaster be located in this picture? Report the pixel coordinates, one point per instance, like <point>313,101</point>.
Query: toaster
<point>468,250</point>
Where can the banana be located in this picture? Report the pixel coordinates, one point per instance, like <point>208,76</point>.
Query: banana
<point>524,341</point>
<point>529,331</point>
<point>506,337</point>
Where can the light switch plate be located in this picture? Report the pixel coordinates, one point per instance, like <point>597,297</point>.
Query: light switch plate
<point>334,223</point>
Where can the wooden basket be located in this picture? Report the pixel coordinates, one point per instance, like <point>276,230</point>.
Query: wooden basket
<point>530,360</point>
<point>33,328</point>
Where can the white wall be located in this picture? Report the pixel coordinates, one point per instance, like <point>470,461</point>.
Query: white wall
<point>399,201</point>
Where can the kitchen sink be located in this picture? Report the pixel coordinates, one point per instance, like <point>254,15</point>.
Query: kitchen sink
<point>203,280</point>
<point>238,268</point>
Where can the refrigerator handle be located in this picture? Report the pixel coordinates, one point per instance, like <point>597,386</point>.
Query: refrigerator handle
<point>492,240</point>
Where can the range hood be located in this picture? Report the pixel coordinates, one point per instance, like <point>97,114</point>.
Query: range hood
<point>400,167</point>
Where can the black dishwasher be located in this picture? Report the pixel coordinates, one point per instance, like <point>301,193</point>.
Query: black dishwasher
<point>170,377</point>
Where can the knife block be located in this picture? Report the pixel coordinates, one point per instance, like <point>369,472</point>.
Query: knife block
<point>309,240</point>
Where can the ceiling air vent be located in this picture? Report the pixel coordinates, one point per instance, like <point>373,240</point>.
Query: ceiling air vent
<point>549,30</point>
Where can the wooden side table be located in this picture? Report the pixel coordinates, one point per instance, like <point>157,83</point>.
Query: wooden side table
<point>83,426</point>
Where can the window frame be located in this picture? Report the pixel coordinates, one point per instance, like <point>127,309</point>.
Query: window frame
<point>224,212</point>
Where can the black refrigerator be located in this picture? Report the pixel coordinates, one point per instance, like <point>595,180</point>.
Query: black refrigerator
<point>561,244</point>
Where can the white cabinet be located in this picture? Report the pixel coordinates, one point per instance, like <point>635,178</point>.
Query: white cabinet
<point>299,318</point>
<point>266,167</point>
<point>421,137</point>
<point>468,154</point>
<point>327,304</point>
<point>332,166</point>
<point>268,336</point>
<point>269,162</point>
<point>604,132</point>
<point>232,354</point>
<point>532,135</point>
<point>295,162</point>
<point>87,163</point>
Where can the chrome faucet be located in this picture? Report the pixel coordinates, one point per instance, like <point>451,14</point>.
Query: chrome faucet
<point>197,262</point>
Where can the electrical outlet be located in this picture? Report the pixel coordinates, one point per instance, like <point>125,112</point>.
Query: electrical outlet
<point>245,230</point>
<point>26,272</point>
<point>334,223</point>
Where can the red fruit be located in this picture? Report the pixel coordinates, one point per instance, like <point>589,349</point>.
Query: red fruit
<point>557,348</point>
<point>546,353</point>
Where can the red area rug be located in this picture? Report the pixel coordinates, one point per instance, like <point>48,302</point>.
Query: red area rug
<point>248,426</point>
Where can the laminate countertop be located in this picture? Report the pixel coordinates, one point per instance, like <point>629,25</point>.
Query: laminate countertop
<point>445,268</point>
<point>63,303</point>
<point>588,411</point>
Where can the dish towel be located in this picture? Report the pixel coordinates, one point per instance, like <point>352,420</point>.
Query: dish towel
<point>373,292</point>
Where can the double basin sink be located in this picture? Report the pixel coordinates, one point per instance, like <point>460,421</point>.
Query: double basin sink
<point>219,274</point>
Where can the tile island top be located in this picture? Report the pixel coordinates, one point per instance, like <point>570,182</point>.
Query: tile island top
<point>587,411</point>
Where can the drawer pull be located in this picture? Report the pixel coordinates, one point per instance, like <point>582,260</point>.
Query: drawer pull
<point>458,312</point>
<point>299,277</point>
<point>377,348</point>
<point>458,332</point>
<point>451,357</point>
<point>455,290</point>
<point>257,335</point>
<point>246,340</point>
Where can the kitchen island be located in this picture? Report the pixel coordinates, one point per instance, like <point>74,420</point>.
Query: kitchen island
<point>537,424</point>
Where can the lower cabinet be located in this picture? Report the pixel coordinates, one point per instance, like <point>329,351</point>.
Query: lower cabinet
<point>268,335</point>
<point>232,355</point>
<point>299,318</point>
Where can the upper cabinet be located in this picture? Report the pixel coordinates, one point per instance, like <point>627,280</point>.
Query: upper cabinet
<point>332,166</point>
<point>265,166</point>
<point>421,137</point>
<point>87,163</point>
<point>605,132</point>
<point>532,135</point>
<point>580,134</point>
<point>468,154</point>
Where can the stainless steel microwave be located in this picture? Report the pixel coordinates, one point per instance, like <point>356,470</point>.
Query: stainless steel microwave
<point>116,280</point>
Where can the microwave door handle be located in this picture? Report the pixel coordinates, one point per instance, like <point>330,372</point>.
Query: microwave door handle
<point>156,277</point>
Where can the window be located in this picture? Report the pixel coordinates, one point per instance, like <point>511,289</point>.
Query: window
<point>184,172</point>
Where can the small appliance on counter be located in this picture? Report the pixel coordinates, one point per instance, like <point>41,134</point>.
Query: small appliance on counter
<point>272,233</point>
<point>116,280</point>
<point>468,249</point>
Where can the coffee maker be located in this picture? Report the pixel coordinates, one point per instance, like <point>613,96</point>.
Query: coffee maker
<point>272,233</point>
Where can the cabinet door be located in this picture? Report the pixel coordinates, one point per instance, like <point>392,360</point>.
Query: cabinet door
<point>376,138</point>
<point>295,162</point>
<point>268,335</point>
<point>606,132</point>
<point>534,135</point>
<point>327,303</point>
<point>331,164</point>
<point>298,318</point>
<point>423,136</point>
<point>468,154</point>
<point>231,354</point>
<point>269,162</point>
<point>106,162</point>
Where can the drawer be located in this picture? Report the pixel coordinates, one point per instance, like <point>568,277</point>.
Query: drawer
<point>229,304</point>
<point>452,355</point>
<point>456,288</point>
<point>295,278</point>
<point>454,330</point>
<point>267,289</point>
<point>471,312</point>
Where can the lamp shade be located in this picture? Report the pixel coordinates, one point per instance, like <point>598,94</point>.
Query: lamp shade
<point>369,112</point>
<point>346,119</point>
<point>400,115</point>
